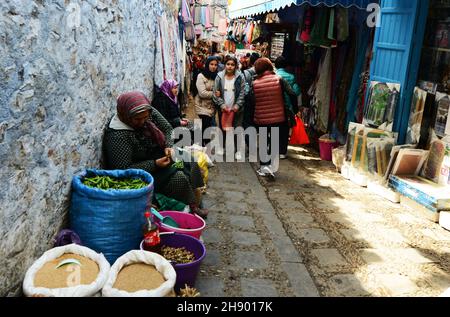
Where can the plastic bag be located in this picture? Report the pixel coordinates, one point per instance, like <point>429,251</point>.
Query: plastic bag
<point>136,256</point>
<point>338,155</point>
<point>65,237</point>
<point>75,291</point>
<point>227,120</point>
<point>166,203</point>
<point>299,135</point>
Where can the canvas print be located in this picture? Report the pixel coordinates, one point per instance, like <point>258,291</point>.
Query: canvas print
<point>383,99</point>
<point>442,105</point>
<point>409,162</point>
<point>416,116</point>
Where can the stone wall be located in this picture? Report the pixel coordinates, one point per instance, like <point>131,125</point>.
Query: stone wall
<point>62,65</point>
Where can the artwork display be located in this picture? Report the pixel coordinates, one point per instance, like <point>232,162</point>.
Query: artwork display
<point>442,126</point>
<point>415,119</point>
<point>409,162</point>
<point>383,99</point>
<point>277,46</point>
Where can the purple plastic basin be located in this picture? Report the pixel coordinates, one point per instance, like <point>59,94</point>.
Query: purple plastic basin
<point>186,273</point>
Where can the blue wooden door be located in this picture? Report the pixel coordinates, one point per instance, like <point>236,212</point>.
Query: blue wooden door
<point>397,46</point>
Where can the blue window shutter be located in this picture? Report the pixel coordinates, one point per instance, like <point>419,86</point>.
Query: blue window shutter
<point>397,46</point>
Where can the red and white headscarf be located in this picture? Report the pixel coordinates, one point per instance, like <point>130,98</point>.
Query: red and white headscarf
<point>133,103</point>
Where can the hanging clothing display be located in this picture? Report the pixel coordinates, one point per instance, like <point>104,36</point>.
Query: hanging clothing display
<point>342,24</point>
<point>321,92</point>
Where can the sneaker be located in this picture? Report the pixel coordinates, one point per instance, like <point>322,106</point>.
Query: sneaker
<point>238,156</point>
<point>220,152</point>
<point>283,156</point>
<point>261,173</point>
<point>267,170</point>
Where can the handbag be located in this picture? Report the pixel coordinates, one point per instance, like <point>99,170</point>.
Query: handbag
<point>227,120</point>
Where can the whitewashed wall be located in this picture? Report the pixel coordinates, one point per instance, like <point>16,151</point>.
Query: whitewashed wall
<point>62,66</point>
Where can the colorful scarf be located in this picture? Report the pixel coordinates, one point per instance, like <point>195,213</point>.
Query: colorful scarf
<point>133,103</point>
<point>166,88</point>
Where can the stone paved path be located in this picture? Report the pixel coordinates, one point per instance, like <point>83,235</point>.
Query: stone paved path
<point>313,233</point>
<point>248,251</point>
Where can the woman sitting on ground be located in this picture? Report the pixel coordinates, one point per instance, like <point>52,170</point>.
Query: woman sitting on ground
<point>139,137</point>
<point>166,102</point>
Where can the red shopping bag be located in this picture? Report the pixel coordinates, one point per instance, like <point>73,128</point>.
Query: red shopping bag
<point>299,135</point>
<point>227,120</point>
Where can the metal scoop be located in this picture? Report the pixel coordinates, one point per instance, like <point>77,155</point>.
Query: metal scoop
<point>169,221</point>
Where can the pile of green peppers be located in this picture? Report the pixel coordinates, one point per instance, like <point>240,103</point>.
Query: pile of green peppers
<point>107,182</point>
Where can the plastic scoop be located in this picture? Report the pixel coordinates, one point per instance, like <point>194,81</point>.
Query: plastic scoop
<point>169,221</point>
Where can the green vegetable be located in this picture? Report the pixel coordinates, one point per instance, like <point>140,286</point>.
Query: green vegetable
<point>178,165</point>
<point>110,183</point>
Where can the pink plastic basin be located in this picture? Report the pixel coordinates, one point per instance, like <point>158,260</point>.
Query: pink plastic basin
<point>190,224</point>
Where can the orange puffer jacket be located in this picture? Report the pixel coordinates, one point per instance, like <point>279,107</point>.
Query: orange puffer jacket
<point>269,102</point>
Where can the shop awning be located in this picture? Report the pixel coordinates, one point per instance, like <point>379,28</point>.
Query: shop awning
<point>245,8</point>
<point>362,4</point>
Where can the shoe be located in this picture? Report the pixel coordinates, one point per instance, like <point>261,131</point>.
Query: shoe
<point>283,157</point>
<point>261,173</point>
<point>201,212</point>
<point>267,170</point>
<point>238,156</point>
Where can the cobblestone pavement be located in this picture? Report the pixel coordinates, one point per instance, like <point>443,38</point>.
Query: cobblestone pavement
<point>313,233</point>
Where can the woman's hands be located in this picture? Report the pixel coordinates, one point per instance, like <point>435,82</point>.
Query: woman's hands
<point>184,122</point>
<point>225,109</point>
<point>163,162</point>
<point>166,160</point>
<point>169,152</point>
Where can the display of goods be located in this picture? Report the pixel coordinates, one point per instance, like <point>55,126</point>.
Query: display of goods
<point>137,277</point>
<point>107,182</point>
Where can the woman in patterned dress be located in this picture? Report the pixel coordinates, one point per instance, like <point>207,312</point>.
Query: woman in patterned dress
<point>139,137</point>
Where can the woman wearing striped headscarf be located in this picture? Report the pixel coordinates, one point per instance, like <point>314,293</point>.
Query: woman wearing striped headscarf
<point>139,137</point>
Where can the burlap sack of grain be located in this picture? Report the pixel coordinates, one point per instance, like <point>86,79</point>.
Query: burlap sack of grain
<point>92,289</point>
<point>137,256</point>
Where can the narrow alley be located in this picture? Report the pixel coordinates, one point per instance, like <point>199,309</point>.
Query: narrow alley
<point>313,233</point>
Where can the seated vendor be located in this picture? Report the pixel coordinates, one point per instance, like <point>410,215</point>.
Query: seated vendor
<point>138,137</point>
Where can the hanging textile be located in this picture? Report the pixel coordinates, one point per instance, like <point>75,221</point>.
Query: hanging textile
<point>203,15</point>
<point>363,43</point>
<point>322,92</point>
<point>331,33</point>
<point>319,34</point>
<point>198,14</point>
<point>217,17</point>
<point>159,66</point>
<point>222,26</point>
<point>305,36</point>
<point>342,24</point>
<point>208,24</point>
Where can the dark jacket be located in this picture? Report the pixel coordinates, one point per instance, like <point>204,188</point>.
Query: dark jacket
<point>170,111</point>
<point>130,149</point>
